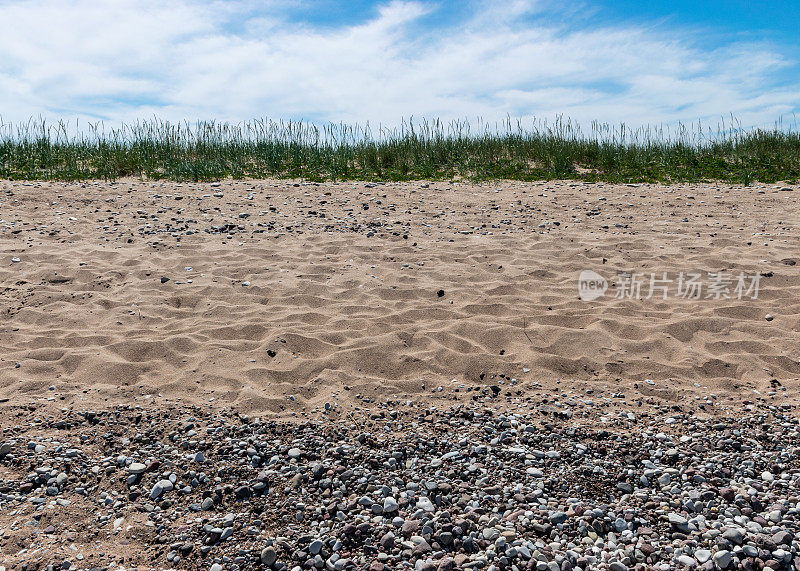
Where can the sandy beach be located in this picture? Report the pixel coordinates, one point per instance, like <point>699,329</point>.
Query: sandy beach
<point>399,285</point>
<point>279,297</point>
<point>289,375</point>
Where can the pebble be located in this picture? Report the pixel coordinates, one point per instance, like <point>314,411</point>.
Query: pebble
<point>315,547</point>
<point>268,556</point>
<point>734,535</point>
<point>702,555</point>
<point>722,559</point>
<point>156,491</point>
<point>390,505</point>
<point>137,468</point>
<point>245,493</point>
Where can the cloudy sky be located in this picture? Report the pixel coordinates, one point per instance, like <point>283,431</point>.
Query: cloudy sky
<point>638,61</point>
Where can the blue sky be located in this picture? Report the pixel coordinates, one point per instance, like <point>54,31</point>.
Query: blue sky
<point>777,20</point>
<point>639,62</point>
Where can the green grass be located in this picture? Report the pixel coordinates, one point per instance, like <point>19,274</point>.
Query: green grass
<point>210,150</point>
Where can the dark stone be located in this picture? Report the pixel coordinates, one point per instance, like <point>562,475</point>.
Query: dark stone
<point>781,538</point>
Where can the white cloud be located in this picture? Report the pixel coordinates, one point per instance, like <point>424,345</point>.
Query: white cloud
<point>186,59</point>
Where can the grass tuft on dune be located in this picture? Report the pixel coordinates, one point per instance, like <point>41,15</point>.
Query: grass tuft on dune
<point>210,150</point>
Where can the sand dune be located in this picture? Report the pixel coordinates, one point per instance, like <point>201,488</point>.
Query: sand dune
<point>389,291</point>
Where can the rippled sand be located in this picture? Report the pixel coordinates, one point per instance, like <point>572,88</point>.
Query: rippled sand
<point>284,296</point>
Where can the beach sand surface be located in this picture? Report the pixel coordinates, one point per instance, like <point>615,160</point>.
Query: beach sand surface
<point>280,297</point>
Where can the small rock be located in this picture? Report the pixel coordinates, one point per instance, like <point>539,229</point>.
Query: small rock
<point>156,491</point>
<point>137,468</point>
<point>268,556</point>
<point>702,555</point>
<point>782,537</point>
<point>315,547</point>
<point>722,559</point>
<point>390,505</point>
<point>733,535</point>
